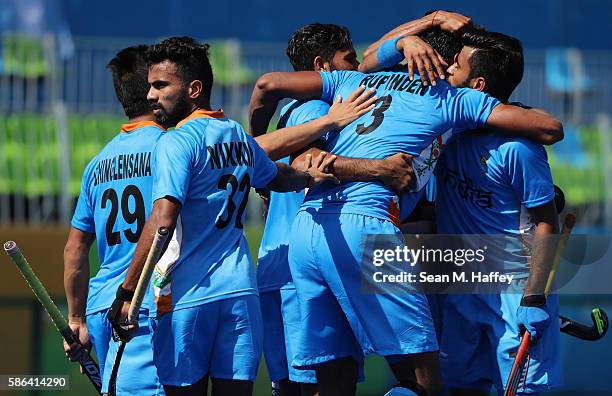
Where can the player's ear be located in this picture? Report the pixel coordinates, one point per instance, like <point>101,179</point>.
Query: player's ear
<point>478,83</point>
<point>194,90</point>
<point>319,64</point>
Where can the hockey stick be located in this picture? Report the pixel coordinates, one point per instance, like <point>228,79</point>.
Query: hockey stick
<point>585,332</point>
<point>89,366</point>
<point>141,289</point>
<point>598,315</point>
<point>522,355</point>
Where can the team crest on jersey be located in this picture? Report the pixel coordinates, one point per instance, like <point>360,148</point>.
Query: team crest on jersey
<point>429,162</point>
<point>425,163</point>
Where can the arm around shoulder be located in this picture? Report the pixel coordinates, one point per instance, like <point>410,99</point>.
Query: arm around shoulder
<point>534,124</point>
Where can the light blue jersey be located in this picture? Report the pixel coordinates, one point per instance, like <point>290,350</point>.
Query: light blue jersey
<point>272,265</point>
<point>208,164</point>
<point>486,181</point>
<point>114,203</point>
<point>408,117</point>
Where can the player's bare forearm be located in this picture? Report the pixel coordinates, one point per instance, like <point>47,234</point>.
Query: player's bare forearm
<point>543,248</point>
<point>285,141</point>
<point>449,21</point>
<point>76,272</point>
<point>272,87</point>
<point>164,214</point>
<point>533,124</point>
<point>289,179</point>
<point>409,28</point>
<point>395,171</point>
<point>316,171</point>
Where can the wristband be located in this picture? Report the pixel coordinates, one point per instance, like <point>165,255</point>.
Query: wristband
<point>534,300</point>
<point>387,53</point>
<point>123,294</point>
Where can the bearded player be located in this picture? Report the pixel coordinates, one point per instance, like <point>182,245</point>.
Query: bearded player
<point>480,332</point>
<point>208,315</point>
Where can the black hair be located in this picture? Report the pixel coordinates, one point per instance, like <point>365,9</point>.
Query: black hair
<point>190,58</point>
<point>130,71</point>
<point>445,43</point>
<point>498,58</point>
<point>316,39</point>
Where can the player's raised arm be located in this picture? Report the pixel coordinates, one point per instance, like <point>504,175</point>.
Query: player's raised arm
<point>403,43</point>
<point>534,124</point>
<point>272,87</point>
<point>76,285</point>
<point>285,141</point>
<point>419,55</point>
<point>446,20</point>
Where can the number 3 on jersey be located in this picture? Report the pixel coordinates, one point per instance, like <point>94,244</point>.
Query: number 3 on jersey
<point>231,182</point>
<point>381,105</point>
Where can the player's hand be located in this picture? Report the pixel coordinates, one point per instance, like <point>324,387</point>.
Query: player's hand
<point>534,319</point>
<point>341,113</point>
<point>396,172</point>
<point>319,168</point>
<point>420,55</point>
<point>75,351</point>
<point>451,21</point>
<point>118,316</point>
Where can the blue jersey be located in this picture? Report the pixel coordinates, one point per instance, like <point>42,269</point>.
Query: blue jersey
<point>485,184</point>
<point>208,164</point>
<point>486,181</point>
<point>272,266</point>
<point>408,117</point>
<point>114,202</point>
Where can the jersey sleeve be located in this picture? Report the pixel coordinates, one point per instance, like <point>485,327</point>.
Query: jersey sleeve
<point>173,159</point>
<point>526,165</point>
<point>469,109</point>
<point>332,82</point>
<point>264,170</point>
<point>83,218</point>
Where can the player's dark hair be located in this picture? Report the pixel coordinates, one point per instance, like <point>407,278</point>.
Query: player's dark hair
<point>498,58</point>
<point>130,71</point>
<point>445,43</point>
<point>314,40</point>
<point>190,58</point>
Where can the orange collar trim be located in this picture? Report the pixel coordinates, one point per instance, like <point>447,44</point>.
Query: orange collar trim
<point>203,114</point>
<point>130,126</point>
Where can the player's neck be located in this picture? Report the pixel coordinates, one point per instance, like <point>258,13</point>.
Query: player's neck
<point>145,117</point>
<point>202,106</point>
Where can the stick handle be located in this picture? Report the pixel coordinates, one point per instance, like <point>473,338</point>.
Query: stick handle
<point>90,367</point>
<point>145,276</point>
<point>36,285</point>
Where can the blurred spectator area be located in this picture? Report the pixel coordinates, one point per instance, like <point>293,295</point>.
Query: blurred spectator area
<point>57,112</point>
